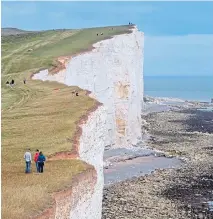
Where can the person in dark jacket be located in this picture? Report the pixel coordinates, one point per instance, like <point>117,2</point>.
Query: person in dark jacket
<point>41,159</point>
<point>12,82</point>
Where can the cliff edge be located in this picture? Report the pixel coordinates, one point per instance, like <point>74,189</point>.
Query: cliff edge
<point>113,72</point>
<point>72,131</point>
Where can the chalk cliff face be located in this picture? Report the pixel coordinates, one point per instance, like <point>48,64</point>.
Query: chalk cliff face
<point>91,151</point>
<point>113,72</point>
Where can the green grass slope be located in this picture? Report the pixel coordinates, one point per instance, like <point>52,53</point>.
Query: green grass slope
<point>40,115</point>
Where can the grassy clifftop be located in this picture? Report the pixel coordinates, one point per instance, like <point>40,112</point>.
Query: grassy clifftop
<point>40,115</point>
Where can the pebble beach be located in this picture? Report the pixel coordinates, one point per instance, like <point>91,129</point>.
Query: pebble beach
<point>174,193</point>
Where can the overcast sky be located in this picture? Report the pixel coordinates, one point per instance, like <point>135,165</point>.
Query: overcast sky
<point>178,35</point>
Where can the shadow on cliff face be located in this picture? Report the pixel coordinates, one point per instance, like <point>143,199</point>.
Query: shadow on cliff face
<point>194,193</point>
<point>199,121</point>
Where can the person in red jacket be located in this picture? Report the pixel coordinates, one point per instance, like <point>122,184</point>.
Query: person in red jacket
<point>36,159</point>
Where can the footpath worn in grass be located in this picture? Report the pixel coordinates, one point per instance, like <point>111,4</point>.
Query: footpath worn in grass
<point>40,115</point>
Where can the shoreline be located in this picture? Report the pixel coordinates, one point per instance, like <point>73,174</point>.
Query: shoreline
<point>184,192</point>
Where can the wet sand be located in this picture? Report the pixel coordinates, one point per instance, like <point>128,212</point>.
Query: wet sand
<point>186,192</point>
<point>137,167</point>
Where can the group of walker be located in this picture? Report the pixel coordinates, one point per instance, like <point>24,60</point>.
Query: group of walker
<point>39,159</point>
<point>12,82</point>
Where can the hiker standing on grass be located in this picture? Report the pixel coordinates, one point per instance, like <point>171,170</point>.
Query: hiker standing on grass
<point>12,82</point>
<point>36,159</point>
<point>41,159</point>
<point>28,158</point>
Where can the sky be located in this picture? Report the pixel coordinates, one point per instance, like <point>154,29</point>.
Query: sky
<point>178,35</point>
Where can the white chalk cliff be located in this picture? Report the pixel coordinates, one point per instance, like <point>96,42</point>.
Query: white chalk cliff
<point>113,72</point>
<point>91,149</point>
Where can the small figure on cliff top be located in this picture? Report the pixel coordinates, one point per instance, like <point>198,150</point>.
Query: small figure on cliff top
<point>28,158</point>
<point>12,82</point>
<point>24,80</point>
<point>41,159</point>
<point>97,34</point>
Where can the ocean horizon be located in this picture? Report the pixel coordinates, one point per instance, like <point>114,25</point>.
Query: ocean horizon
<point>197,88</point>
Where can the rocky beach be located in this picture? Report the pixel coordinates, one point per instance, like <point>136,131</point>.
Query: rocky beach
<point>181,131</point>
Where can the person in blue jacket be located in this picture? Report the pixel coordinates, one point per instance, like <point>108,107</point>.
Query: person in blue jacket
<point>41,159</point>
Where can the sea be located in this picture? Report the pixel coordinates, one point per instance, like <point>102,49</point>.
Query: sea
<point>196,88</point>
